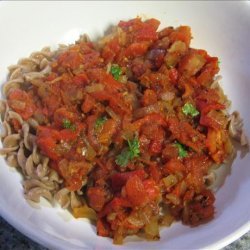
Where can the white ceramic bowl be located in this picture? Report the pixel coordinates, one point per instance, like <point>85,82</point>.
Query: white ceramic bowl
<point>222,28</point>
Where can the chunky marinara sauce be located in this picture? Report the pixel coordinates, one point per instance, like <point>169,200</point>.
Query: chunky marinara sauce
<point>133,121</point>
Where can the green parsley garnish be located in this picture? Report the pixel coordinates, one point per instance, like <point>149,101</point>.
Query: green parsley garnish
<point>181,150</point>
<point>219,62</point>
<point>189,109</point>
<point>134,147</point>
<point>123,158</point>
<point>66,123</point>
<point>116,71</point>
<point>129,153</point>
<point>100,121</point>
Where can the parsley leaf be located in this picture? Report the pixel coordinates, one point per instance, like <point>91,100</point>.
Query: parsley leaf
<point>100,121</point>
<point>116,71</point>
<point>129,153</point>
<point>181,150</point>
<point>134,147</point>
<point>66,123</point>
<point>123,158</point>
<point>189,109</point>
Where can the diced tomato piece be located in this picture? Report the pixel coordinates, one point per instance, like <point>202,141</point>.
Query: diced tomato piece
<point>111,84</point>
<point>173,166</point>
<point>156,147</point>
<point>136,49</point>
<point>81,79</point>
<point>173,75</point>
<point>154,23</point>
<point>189,89</point>
<point>47,132</point>
<point>49,140</point>
<point>142,31</point>
<point>63,114</point>
<point>170,151</point>
<point>96,198</point>
<point>152,189</point>
<point>154,118</point>
<point>88,104</point>
<point>216,143</point>
<point>22,103</point>
<point>187,135</point>
<point>182,33</point>
<point>189,195</point>
<point>70,59</point>
<point>68,134</point>
<point>155,172</point>
<point>48,147</point>
<point>206,107</point>
<point>191,63</point>
<point>110,50</point>
<point>197,166</point>
<point>146,33</point>
<point>108,131</point>
<point>149,97</point>
<point>214,119</point>
<point>136,191</point>
<point>165,32</point>
<point>73,173</point>
<point>100,75</point>
<point>118,180</point>
<point>102,228</point>
<point>133,22</point>
<point>156,81</point>
<point>91,134</point>
<point>114,205</point>
<point>208,95</point>
<point>209,71</point>
<point>116,102</point>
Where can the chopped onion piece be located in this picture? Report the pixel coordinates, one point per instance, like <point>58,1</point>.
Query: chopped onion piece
<point>94,88</point>
<point>167,96</point>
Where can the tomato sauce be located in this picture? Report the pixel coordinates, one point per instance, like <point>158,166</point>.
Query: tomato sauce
<point>113,113</point>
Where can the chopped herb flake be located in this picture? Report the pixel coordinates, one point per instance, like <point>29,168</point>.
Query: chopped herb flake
<point>181,150</point>
<point>189,109</point>
<point>116,71</point>
<point>128,154</point>
<point>68,125</point>
<point>123,158</point>
<point>100,121</point>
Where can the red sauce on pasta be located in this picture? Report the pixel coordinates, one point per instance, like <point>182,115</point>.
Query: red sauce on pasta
<point>135,117</point>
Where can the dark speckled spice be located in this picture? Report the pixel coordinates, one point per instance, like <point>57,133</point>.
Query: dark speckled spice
<point>11,239</point>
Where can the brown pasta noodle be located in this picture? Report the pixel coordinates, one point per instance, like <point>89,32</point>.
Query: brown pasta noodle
<point>34,167</point>
<point>39,179</point>
<point>67,198</point>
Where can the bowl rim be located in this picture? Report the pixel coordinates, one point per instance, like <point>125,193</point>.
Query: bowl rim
<point>52,242</point>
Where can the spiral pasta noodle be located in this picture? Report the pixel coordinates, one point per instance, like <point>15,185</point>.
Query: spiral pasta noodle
<point>19,148</point>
